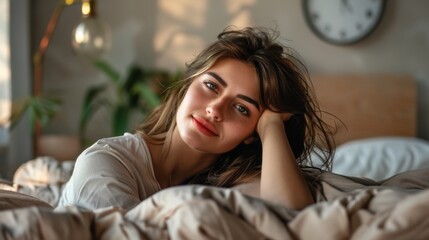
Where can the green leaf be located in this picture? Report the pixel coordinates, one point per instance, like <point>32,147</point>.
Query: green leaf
<point>147,94</point>
<point>92,94</point>
<point>91,103</point>
<point>134,76</point>
<point>41,109</point>
<point>18,110</point>
<point>120,119</point>
<point>46,109</point>
<point>107,69</point>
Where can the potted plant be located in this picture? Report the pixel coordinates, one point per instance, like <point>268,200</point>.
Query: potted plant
<point>41,110</point>
<point>138,92</point>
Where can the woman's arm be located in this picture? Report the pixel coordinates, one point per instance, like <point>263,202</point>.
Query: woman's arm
<point>281,176</point>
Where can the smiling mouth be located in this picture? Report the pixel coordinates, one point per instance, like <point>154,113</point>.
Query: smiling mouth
<point>203,127</point>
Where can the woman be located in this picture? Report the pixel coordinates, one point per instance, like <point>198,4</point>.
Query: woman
<point>243,113</point>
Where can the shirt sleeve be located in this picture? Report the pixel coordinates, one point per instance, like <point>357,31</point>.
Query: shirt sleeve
<point>101,178</point>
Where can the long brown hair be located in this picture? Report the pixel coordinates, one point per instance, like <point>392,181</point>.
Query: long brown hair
<point>285,87</point>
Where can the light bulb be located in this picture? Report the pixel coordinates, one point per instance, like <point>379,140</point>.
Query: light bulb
<point>91,38</point>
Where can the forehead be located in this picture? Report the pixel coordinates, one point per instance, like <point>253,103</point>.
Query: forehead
<point>237,74</point>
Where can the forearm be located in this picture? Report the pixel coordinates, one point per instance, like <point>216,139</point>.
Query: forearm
<point>281,176</point>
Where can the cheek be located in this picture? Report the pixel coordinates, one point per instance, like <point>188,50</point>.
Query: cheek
<point>190,102</point>
<point>193,94</point>
<point>240,130</point>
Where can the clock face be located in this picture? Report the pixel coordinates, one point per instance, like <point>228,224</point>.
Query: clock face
<point>343,21</point>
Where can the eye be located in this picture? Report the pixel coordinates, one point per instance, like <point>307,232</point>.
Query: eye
<point>243,110</point>
<point>210,85</point>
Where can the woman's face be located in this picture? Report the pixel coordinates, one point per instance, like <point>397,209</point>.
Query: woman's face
<point>221,107</point>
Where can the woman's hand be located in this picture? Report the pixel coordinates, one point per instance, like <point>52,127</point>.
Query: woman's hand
<point>270,118</point>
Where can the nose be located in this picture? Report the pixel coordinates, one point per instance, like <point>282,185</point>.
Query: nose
<point>214,110</point>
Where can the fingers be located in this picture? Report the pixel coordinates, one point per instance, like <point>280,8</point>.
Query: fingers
<point>269,116</point>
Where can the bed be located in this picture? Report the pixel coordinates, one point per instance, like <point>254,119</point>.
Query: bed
<point>377,132</point>
<point>375,120</point>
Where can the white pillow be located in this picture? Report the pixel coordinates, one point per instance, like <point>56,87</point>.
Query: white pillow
<point>381,158</point>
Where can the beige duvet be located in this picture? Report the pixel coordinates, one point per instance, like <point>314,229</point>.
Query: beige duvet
<point>353,209</point>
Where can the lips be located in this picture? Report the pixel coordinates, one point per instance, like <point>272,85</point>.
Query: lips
<point>204,126</point>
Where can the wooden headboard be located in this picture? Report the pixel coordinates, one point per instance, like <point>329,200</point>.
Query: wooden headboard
<point>368,105</point>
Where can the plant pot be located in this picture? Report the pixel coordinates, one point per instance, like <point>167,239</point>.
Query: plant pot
<point>60,147</point>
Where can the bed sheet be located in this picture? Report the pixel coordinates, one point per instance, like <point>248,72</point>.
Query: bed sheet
<point>347,208</point>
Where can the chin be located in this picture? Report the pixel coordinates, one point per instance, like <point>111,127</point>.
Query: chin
<point>195,143</point>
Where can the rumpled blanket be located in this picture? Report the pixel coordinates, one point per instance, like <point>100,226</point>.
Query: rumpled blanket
<point>42,177</point>
<point>349,208</point>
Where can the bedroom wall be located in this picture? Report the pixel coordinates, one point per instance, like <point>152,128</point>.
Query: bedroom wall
<point>166,34</point>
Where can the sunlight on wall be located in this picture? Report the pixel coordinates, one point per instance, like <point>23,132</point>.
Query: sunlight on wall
<point>185,12</point>
<point>234,6</point>
<point>239,11</point>
<point>180,22</point>
<point>175,47</point>
<point>5,105</point>
<point>172,42</point>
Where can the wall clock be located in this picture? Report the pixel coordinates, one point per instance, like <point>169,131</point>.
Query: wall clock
<point>343,21</point>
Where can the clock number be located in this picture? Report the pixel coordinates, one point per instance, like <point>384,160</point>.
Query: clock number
<point>369,13</point>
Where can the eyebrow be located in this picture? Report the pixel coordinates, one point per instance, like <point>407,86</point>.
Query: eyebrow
<point>223,83</point>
